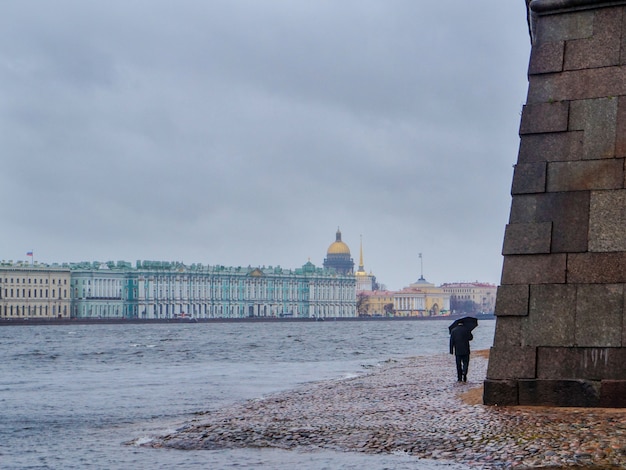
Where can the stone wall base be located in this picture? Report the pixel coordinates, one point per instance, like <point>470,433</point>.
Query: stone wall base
<point>571,393</point>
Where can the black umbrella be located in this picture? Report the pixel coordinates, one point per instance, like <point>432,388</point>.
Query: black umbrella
<point>468,322</point>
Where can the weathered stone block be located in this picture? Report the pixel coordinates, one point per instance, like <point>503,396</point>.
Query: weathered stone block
<point>527,238</point>
<point>551,316</point>
<point>568,212</point>
<point>508,332</point>
<point>623,49</point>
<point>602,49</point>
<point>552,147</point>
<point>529,178</point>
<point>528,208</point>
<point>547,58</point>
<point>577,85</point>
<point>620,128</point>
<point>512,300</point>
<point>512,362</point>
<point>613,394</point>
<point>598,119</point>
<point>585,175</point>
<point>563,27</point>
<point>596,268</point>
<point>559,393</point>
<point>545,117</point>
<point>599,315</point>
<point>581,363</point>
<point>533,269</point>
<point>500,392</point>
<point>607,219</point>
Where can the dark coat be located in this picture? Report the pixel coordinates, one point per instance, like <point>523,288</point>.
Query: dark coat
<point>460,341</point>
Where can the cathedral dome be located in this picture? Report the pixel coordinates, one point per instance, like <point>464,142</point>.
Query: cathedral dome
<point>338,247</point>
<point>338,257</point>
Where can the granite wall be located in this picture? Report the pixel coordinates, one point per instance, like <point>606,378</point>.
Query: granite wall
<point>561,329</point>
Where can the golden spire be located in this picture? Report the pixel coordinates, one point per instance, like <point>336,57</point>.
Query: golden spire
<point>361,268</point>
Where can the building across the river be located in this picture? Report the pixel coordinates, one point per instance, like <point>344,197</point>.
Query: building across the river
<point>160,290</point>
<point>34,291</point>
<point>338,256</point>
<point>471,296</point>
<point>422,299</point>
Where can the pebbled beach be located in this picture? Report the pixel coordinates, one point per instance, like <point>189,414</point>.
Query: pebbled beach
<point>413,406</point>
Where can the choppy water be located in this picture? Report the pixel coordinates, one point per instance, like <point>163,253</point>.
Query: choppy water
<point>71,395</point>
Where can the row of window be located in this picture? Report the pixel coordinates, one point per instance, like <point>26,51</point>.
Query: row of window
<point>31,293</point>
<point>17,281</point>
<point>33,310</point>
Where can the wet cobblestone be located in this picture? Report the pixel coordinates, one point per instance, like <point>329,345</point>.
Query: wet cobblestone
<point>414,406</point>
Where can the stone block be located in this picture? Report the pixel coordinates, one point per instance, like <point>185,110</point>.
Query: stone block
<point>500,392</point>
<point>546,58</point>
<point>577,85</point>
<point>512,363</point>
<point>620,129</point>
<point>512,300</point>
<point>585,175</point>
<point>599,315</point>
<point>568,212</point>
<point>551,316</point>
<point>528,208</point>
<point>581,363</point>
<point>607,219</point>
<point>553,28</point>
<point>552,147</point>
<point>539,392</point>
<point>528,238</point>
<point>529,178</point>
<point>596,268</point>
<point>623,49</point>
<point>544,117</point>
<point>508,332</point>
<point>598,119</point>
<point>534,269</point>
<point>602,49</point>
<point>613,394</point>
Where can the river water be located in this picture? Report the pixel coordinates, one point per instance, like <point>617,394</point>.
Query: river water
<point>71,396</point>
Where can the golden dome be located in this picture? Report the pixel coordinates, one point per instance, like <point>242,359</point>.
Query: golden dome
<point>338,247</point>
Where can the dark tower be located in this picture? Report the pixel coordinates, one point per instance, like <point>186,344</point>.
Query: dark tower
<point>561,321</point>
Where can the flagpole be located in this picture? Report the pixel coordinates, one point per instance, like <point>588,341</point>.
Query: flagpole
<point>421,266</point>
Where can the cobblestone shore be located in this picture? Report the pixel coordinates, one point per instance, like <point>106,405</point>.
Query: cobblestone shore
<point>415,406</point>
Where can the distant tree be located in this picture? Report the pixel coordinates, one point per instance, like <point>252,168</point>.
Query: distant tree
<point>464,306</point>
<point>361,303</point>
<point>389,309</point>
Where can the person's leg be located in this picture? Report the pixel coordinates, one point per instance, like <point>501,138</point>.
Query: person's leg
<point>459,368</point>
<point>465,366</point>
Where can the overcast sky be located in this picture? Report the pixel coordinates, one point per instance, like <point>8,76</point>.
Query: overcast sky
<point>244,132</point>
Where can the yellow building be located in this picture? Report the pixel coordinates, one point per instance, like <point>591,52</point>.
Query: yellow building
<point>421,299</point>
<point>375,303</point>
<point>34,291</point>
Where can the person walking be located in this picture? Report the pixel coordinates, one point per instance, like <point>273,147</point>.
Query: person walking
<point>460,338</point>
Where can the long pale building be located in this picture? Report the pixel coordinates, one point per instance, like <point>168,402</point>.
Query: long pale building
<point>162,290</point>
<point>34,291</point>
<point>481,295</point>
